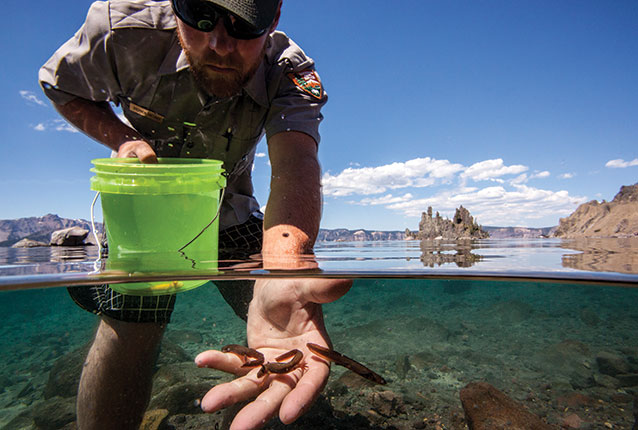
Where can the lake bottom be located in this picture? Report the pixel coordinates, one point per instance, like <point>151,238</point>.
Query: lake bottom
<point>566,353</point>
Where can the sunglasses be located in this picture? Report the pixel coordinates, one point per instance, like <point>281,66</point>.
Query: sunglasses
<point>203,16</point>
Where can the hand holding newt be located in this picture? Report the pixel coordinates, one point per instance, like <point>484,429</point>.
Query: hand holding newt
<point>284,315</point>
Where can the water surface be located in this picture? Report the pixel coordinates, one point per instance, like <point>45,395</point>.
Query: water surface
<point>550,323</point>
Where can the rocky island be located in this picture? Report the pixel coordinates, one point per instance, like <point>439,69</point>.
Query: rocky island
<point>461,226</point>
<point>618,218</point>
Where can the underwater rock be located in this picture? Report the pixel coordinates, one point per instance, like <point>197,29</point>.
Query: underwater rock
<point>611,364</point>
<point>387,403</point>
<point>179,336</point>
<point>21,421</point>
<point>64,376</point>
<point>153,419</point>
<point>568,360</point>
<point>425,360</point>
<point>170,353</point>
<point>54,413</point>
<point>576,400</point>
<point>589,317</point>
<point>572,421</point>
<point>72,236</point>
<point>353,381</point>
<point>510,312</point>
<point>628,379</point>
<point>487,408</point>
<point>177,387</point>
<point>402,366</point>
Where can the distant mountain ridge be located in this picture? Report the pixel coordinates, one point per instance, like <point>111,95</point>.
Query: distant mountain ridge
<point>40,229</point>
<point>36,228</point>
<point>345,235</point>
<point>519,232</point>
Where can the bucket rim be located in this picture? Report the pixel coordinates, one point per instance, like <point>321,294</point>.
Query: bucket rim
<point>166,164</point>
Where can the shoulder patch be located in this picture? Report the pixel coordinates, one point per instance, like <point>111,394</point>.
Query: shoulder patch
<point>309,82</point>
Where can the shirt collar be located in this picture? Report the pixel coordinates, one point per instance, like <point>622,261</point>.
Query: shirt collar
<point>175,59</point>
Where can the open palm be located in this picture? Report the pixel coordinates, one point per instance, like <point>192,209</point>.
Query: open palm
<point>284,314</point>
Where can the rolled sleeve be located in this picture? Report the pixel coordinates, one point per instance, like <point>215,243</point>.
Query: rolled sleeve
<point>83,66</point>
<point>295,110</point>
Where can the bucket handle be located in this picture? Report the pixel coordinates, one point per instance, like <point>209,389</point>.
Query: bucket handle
<point>93,230</point>
<point>219,209</point>
<point>99,243</point>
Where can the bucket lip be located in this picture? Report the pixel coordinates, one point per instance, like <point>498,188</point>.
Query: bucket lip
<point>163,163</point>
<point>169,176</point>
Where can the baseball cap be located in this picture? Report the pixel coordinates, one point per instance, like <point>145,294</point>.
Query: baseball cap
<point>258,13</point>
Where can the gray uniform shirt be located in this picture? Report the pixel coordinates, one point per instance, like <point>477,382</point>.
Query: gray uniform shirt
<point>127,52</point>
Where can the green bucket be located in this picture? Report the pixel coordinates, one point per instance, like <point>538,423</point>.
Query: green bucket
<point>151,211</point>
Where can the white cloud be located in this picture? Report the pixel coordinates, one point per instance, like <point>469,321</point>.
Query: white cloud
<point>566,176</point>
<point>260,155</point>
<point>30,97</point>
<point>386,200</point>
<point>56,125</point>
<point>491,170</point>
<point>621,164</point>
<point>419,172</point>
<point>543,174</point>
<point>503,202</point>
<point>497,205</point>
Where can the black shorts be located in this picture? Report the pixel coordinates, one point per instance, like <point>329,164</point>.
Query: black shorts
<point>235,243</point>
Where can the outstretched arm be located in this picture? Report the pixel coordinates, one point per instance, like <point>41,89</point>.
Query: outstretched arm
<point>284,314</point>
<point>97,120</point>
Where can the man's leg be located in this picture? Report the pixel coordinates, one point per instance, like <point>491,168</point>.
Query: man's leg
<point>115,386</point>
<point>236,245</point>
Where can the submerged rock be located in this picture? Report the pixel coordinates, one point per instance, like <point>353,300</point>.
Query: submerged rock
<point>611,364</point>
<point>568,360</point>
<point>487,408</point>
<point>54,413</point>
<point>510,312</point>
<point>64,376</point>
<point>153,419</point>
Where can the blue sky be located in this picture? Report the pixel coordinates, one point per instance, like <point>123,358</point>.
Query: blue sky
<point>519,110</point>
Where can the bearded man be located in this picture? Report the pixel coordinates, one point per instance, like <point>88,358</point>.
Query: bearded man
<point>204,79</point>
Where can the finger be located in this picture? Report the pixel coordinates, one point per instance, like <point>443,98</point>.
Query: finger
<point>224,395</point>
<point>305,393</point>
<point>146,155</point>
<point>264,407</point>
<point>226,362</point>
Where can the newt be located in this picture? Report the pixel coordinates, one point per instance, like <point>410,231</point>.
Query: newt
<point>244,353</point>
<point>280,367</point>
<point>347,362</point>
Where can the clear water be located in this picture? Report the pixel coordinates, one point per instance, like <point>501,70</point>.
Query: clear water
<point>540,320</point>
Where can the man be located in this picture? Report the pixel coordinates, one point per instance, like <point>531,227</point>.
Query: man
<point>204,79</point>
